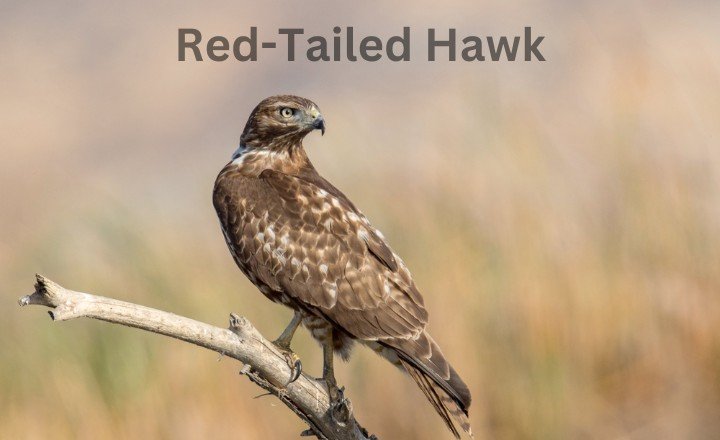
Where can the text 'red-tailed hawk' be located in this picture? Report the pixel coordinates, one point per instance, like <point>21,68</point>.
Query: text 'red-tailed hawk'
<point>305,245</point>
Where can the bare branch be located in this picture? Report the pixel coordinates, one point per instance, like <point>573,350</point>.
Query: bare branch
<point>265,365</point>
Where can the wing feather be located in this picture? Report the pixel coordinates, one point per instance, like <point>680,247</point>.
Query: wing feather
<point>347,269</point>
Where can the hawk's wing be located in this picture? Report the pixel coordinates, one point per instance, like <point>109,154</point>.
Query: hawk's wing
<point>311,243</point>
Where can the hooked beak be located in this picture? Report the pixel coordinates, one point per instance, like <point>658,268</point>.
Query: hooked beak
<point>319,124</point>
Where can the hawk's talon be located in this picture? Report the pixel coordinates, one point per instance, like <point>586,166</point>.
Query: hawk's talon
<point>292,360</point>
<point>296,370</point>
<point>340,407</point>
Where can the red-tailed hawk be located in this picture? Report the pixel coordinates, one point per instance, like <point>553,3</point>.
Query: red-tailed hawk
<point>305,245</point>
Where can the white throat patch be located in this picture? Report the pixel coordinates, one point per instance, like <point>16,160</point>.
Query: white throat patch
<point>267,156</point>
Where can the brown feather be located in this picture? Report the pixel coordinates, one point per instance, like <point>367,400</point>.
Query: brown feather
<point>444,405</point>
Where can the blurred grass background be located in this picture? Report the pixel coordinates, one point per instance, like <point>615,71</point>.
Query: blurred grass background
<point>562,219</point>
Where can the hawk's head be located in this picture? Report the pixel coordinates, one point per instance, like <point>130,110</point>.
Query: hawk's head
<point>281,122</point>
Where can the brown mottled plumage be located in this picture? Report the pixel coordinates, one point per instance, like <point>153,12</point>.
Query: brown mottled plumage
<point>305,245</point>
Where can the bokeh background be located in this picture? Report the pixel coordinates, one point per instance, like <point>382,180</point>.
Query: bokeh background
<point>562,218</point>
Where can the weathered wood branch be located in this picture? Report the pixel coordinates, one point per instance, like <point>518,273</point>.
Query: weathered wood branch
<point>264,365</point>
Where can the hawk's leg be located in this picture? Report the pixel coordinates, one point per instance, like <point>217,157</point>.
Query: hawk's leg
<point>340,409</point>
<point>283,343</point>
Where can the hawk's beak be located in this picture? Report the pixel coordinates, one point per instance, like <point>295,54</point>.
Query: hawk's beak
<point>319,124</point>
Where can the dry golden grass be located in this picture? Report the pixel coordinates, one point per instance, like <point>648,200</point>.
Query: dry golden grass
<point>562,220</point>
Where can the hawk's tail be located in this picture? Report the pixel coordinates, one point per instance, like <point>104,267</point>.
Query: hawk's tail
<point>438,380</point>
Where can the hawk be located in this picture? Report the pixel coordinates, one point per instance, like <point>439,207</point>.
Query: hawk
<point>305,245</point>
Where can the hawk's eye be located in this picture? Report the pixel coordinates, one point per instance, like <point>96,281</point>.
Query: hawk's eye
<point>286,112</point>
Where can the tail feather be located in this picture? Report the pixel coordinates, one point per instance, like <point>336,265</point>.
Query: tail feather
<point>438,380</point>
<point>445,406</point>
